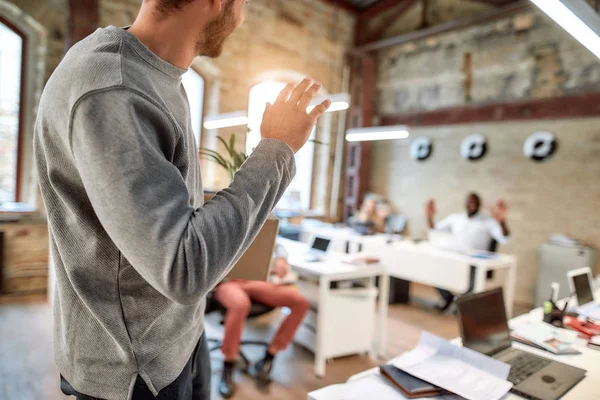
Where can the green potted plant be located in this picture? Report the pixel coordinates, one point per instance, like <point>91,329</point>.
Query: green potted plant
<point>232,160</point>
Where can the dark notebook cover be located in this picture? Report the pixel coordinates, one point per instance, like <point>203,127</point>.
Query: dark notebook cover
<point>409,385</point>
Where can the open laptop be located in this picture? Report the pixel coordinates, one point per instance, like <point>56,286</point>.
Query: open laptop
<point>484,328</point>
<point>318,249</point>
<point>582,284</point>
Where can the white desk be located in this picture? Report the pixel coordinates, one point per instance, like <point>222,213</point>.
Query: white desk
<point>589,360</point>
<point>344,322</point>
<point>423,263</point>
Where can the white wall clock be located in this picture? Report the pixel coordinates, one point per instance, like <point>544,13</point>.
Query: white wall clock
<point>540,146</point>
<point>421,148</point>
<point>473,147</point>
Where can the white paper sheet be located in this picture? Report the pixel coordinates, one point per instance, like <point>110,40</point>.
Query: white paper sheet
<point>465,372</point>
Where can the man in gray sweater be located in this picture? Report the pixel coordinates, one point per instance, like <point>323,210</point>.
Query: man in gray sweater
<point>134,248</point>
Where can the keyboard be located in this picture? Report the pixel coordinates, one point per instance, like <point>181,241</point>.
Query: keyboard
<point>525,365</point>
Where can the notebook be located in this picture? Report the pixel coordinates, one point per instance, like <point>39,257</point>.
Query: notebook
<point>410,386</point>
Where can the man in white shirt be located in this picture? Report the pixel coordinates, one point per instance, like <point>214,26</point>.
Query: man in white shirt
<point>471,230</point>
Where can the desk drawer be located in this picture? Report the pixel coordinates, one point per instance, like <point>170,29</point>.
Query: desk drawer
<point>310,290</point>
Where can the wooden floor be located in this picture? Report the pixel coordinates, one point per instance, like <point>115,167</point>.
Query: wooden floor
<point>28,373</point>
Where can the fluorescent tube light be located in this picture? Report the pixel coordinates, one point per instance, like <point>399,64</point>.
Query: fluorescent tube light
<point>228,120</point>
<point>377,133</point>
<point>577,18</point>
<point>339,102</point>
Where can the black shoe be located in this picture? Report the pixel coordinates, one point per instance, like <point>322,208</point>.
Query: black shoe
<point>443,308</point>
<point>227,386</point>
<point>262,370</point>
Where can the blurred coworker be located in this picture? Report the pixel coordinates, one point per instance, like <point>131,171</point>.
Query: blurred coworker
<point>373,214</point>
<point>237,296</point>
<point>471,230</point>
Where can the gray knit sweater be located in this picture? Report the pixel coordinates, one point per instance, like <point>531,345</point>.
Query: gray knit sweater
<point>134,248</point>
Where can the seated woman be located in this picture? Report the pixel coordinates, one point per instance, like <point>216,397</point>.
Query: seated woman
<point>237,296</point>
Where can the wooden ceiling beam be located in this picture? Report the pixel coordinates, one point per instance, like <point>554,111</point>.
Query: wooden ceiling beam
<point>380,7</point>
<point>343,5</point>
<point>386,22</point>
<point>494,2</point>
<point>462,23</point>
<point>563,107</point>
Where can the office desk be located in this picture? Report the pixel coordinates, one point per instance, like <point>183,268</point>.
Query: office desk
<point>589,360</point>
<point>423,263</point>
<point>342,321</point>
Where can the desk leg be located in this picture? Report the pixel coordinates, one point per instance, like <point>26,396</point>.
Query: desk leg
<point>381,334</point>
<point>480,277</point>
<point>509,289</point>
<point>320,356</point>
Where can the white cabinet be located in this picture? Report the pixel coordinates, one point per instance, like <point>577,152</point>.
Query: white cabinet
<point>555,260</point>
<point>349,325</point>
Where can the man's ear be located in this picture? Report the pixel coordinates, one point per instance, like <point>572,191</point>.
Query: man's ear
<point>216,5</point>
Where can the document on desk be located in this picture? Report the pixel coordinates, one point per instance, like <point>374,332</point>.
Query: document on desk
<point>369,387</point>
<point>459,370</point>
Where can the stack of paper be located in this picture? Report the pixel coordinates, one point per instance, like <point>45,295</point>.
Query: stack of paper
<point>548,337</point>
<point>459,370</point>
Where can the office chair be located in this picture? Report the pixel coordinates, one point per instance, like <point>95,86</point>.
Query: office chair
<point>449,297</point>
<point>256,310</point>
<point>395,224</point>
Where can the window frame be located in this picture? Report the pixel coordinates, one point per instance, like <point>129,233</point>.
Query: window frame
<point>204,100</point>
<point>22,104</point>
<point>314,135</point>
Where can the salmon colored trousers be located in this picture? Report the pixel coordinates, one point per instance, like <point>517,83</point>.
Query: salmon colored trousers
<point>237,296</point>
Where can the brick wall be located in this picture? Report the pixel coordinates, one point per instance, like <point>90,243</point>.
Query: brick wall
<point>522,57</point>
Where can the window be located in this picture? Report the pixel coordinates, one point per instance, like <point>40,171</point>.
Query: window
<point>194,87</point>
<point>297,196</point>
<point>11,59</point>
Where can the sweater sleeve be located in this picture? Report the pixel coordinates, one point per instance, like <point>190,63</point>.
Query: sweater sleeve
<point>121,144</point>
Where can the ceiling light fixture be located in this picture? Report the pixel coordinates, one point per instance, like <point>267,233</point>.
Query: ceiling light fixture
<point>339,102</point>
<point>228,120</point>
<point>577,18</point>
<point>377,133</point>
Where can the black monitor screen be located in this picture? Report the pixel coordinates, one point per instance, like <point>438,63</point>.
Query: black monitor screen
<point>583,289</point>
<point>320,244</point>
<point>483,322</point>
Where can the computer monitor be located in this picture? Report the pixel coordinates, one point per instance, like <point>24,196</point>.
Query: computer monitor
<point>580,282</point>
<point>320,244</point>
<point>483,323</point>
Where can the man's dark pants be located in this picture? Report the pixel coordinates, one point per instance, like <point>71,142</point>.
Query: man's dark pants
<point>192,384</point>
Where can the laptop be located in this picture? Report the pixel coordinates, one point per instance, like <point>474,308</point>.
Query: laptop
<point>484,328</point>
<point>582,284</point>
<point>318,249</point>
